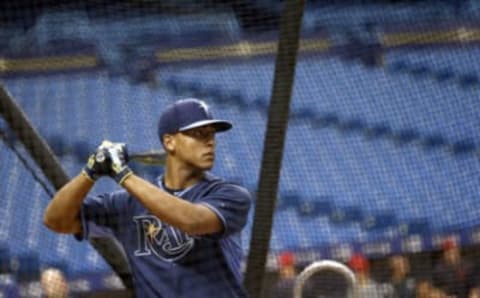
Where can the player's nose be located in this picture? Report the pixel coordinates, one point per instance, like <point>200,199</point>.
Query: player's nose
<point>211,140</point>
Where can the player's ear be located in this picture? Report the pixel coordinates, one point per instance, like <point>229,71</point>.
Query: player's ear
<point>168,142</point>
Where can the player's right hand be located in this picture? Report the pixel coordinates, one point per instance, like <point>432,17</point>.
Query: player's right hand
<point>98,163</point>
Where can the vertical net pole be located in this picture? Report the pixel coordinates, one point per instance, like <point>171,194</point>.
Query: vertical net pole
<point>273,145</point>
<point>35,145</point>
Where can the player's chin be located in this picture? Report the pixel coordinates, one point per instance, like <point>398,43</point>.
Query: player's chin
<point>205,167</point>
<point>206,164</point>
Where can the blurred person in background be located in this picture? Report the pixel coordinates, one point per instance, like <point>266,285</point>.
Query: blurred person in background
<point>437,293</point>
<point>422,288</point>
<point>365,286</point>
<point>287,272</point>
<point>425,289</point>
<point>452,274</point>
<point>403,285</point>
<point>54,284</point>
<point>474,291</point>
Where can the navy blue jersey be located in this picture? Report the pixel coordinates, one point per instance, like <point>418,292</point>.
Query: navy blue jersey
<point>166,262</point>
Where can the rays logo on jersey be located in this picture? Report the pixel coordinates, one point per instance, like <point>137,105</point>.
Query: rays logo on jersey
<point>164,241</point>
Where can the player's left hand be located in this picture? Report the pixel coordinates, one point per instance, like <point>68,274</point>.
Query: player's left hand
<point>118,155</point>
<point>98,164</point>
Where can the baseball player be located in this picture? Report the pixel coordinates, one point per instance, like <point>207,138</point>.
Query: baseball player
<point>181,233</point>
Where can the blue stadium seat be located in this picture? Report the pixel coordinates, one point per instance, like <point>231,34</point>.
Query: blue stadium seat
<point>417,226</point>
<point>314,207</point>
<point>379,159</point>
<point>380,220</point>
<point>9,286</point>
<point>4,259</point>
<point>347,214</point>
<point>458,60</point>
<point>26,267</point>
<point>289,199</point>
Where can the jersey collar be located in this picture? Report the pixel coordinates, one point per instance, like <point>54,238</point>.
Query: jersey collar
<point>175,192</point>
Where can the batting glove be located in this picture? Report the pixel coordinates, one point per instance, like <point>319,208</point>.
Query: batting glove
<point>118,155</point>
<point>98,164</point>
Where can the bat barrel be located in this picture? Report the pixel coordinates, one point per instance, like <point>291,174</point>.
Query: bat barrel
<point>153,157</point>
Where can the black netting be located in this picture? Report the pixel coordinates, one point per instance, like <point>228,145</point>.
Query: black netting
<point>380,164</point>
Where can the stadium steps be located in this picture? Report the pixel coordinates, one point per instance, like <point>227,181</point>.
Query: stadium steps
<point>416,106</point>
<point>452,65</point>
<point>397,133</point>
<point>350,137</point>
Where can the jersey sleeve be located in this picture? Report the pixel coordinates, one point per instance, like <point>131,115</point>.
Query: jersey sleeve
<point>231,203</point>
<point>102,215</point>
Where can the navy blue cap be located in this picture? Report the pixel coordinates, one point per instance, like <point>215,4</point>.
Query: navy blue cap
<point>186,114</point>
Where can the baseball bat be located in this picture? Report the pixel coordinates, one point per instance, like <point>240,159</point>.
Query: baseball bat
<point>151,157</point>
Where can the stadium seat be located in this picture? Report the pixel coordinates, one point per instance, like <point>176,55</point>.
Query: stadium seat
<point>361,160</point>
<point>26,267</point>
<point>5,259</point>
<point>380,220</point>
<point>319,206</point>
<point>8,286</point>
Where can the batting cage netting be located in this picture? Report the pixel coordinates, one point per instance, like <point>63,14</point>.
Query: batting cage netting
<point>355,133</point>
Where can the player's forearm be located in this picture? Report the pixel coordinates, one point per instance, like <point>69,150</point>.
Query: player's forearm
<point>191,218</point>
<point>61,214</point>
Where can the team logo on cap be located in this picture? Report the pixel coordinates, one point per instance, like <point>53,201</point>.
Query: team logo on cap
<point>203,106</point>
